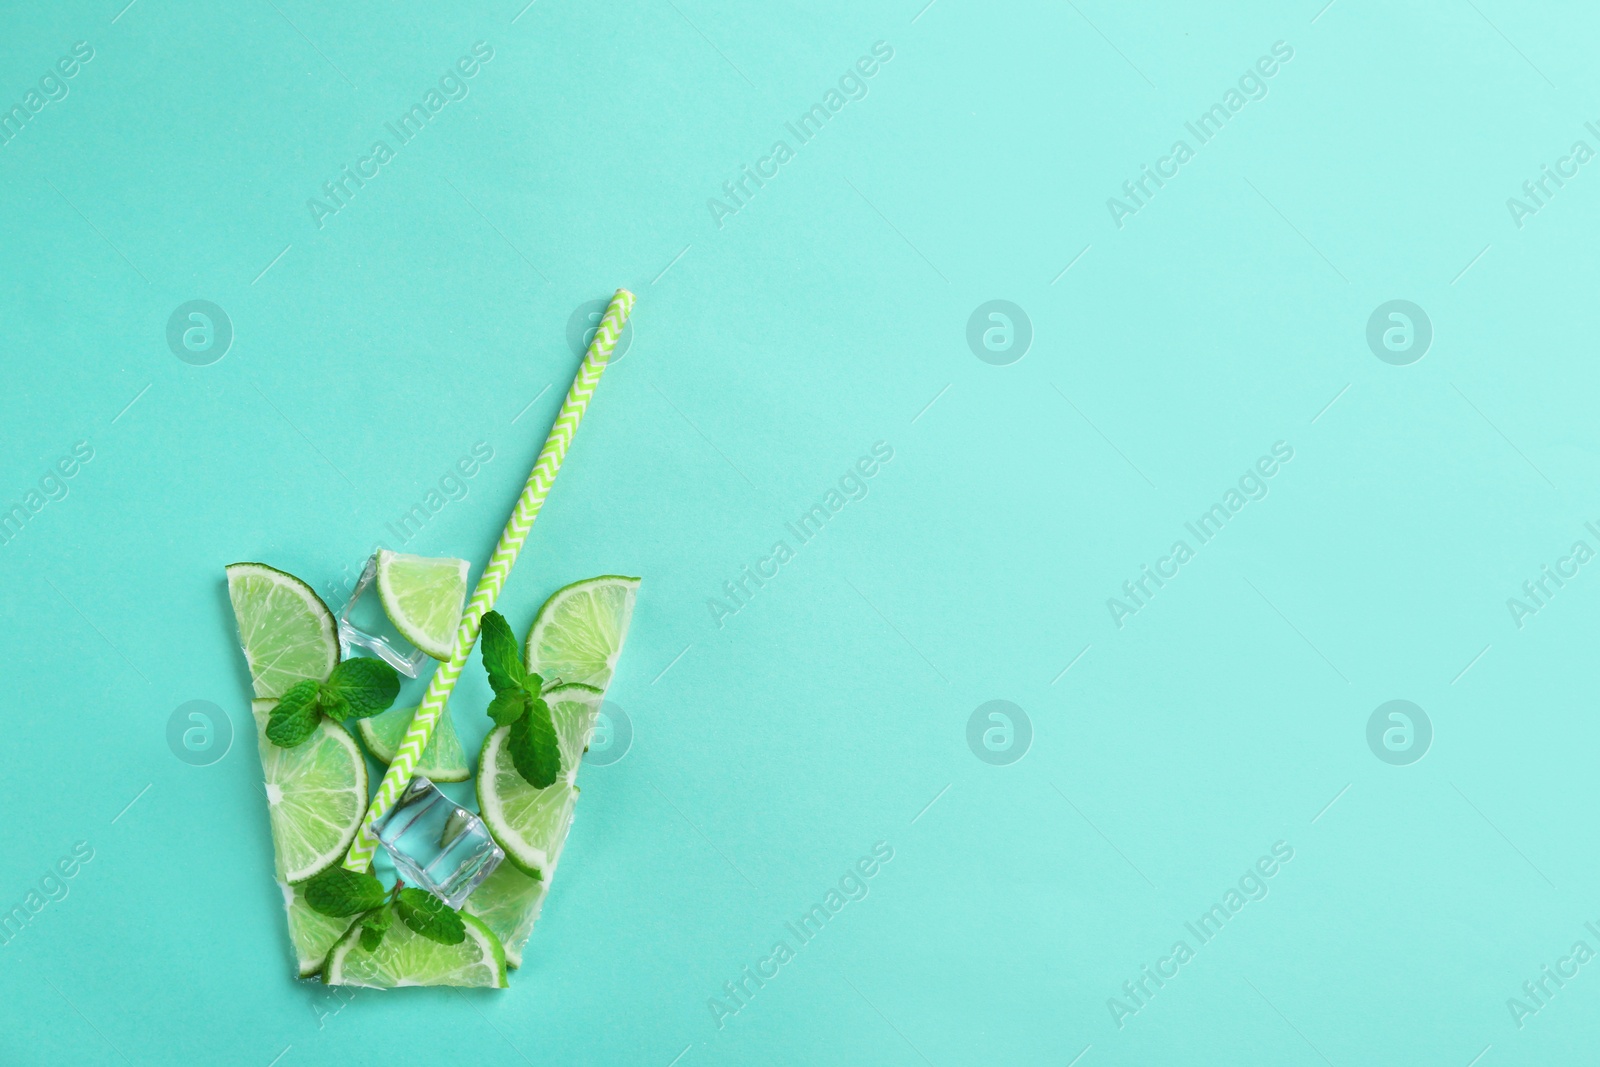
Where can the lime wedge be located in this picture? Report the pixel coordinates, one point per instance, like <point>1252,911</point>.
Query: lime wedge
<point>508,902</point>
<point>287,632</point>
<point>423,597</point>
<point>406,958</point>
<point>311,933</point>
<point>579,631</point>
<point>443,760</point>
<point>530,823</point>
<point>316,796</point>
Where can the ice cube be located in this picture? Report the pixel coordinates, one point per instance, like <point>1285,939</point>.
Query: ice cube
<point>436,844</point>
<point>376,633</point>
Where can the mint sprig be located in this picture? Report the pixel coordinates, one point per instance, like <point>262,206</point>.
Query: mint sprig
<point>357,689</point>
<point>341,893</point>
<point>518,703</point>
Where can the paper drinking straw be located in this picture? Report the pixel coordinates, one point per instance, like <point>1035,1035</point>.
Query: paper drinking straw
<point>365,846</point>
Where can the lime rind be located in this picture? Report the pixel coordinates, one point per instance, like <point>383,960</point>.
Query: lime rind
<point>406,958</point>
<point>287,632</point>
<point>423,597</point>
<point>579,632</point>
<point>443,760</point>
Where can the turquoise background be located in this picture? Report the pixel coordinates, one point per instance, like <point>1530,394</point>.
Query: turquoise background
<point>770,353</point>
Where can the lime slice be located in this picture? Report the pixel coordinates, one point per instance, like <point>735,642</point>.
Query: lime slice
<point>423,597</point>
<point>573,709</point>
<point>311,933</point>
<point>579,632</point>
<point>287,632</point>
<point>530,823</point>
<point>406,958</point>
<point>508,902</point>
<point>316,796</point>
<point>443,760</point>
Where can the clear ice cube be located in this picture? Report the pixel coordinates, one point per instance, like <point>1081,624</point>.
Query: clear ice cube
<point>379,636</point>
<point>436,844</point>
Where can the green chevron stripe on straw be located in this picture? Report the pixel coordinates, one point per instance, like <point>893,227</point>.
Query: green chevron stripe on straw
<point>365,846</point>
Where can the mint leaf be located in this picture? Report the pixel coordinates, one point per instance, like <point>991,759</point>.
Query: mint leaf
<point>296,716</point>
<point>367,686</point>
<point>341,893</point>
<point>509,706</point>
<point>533,745</point>
<point>430,916</point>
<point>334,706</point>
<point>374,926</point>
<point>501,656</point>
